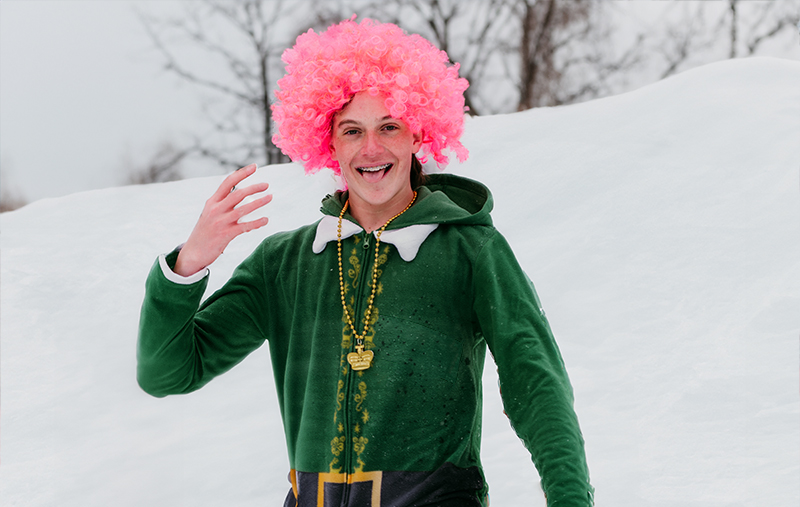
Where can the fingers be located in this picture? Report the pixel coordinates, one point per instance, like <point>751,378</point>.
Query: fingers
<point>235,197</point>
<point>254,224</point>
<point>233,179</point>
<point>250,207</point>
<point>220,221</point>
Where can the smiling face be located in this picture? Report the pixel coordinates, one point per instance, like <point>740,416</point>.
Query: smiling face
<point>374,153</point>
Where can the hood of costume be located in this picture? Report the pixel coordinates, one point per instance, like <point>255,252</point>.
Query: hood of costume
<point>445,199</point>
<point>406,431</point>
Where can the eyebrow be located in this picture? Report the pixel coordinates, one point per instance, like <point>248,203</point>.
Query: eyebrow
<point>354,122</point>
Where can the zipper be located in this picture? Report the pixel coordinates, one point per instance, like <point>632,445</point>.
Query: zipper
<point>359,298</point>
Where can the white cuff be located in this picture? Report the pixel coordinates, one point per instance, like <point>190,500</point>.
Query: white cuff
<point>175,277</point>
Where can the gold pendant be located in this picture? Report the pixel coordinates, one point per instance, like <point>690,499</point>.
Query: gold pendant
<point>360,359</point>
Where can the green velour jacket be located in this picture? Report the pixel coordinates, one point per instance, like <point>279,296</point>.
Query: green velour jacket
<point>407,430</point>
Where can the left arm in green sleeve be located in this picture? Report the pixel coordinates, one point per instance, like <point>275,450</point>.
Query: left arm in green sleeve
<point>537,395</point>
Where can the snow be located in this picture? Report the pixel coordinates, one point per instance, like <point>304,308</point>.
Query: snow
<point>660,227</point>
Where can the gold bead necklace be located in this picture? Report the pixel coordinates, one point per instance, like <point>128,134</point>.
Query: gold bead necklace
<point>362,359</point>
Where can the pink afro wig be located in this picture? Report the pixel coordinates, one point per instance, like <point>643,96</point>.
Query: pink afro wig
<point>324,71</point>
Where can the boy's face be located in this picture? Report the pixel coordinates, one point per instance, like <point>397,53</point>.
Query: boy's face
<point>374,153</point>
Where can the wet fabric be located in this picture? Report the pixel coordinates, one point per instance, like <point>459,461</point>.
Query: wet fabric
<point>417,409</point>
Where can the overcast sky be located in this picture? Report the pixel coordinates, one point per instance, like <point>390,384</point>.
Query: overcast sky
<point>83,97</point>
<point>81,91</point>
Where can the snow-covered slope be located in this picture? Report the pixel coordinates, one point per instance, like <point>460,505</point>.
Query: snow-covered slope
<point>661,227</point>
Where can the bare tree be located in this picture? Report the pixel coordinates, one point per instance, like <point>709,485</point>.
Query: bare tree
<point>733,11</point>
<point>703,31</point>
<point>767,20</point>
<point>230,49</point>
<point>564,52</point>
<point>11,200</point>
<point>517,54</point>
<point>685,38</point>
<point>11,197</point>
<point>539,25</point>
<point>163,166</point>
<point>553,52</point>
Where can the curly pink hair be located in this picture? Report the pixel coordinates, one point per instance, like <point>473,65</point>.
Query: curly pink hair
<point>324,71</point>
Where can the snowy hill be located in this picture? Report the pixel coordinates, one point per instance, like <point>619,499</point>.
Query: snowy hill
<point>661,227</point>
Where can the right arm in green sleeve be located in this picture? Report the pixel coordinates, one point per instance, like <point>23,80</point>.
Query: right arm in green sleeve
<point>182,344</point>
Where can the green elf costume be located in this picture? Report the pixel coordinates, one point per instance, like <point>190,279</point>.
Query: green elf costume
<point>378,343</point>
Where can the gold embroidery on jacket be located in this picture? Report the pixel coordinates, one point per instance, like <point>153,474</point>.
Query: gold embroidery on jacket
<point>361,395</point>
<point>361,415</point>
<point>337,445</point>
<point>356,269</point>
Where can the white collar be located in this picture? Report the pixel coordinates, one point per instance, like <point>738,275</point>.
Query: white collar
<point>407,240</point>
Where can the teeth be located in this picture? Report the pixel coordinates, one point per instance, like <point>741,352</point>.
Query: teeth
<point>374,169</point>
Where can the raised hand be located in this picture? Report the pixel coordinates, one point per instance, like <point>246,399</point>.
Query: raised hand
<point>220,222</point>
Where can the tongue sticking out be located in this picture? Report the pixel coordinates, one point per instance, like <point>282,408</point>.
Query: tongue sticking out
<point>374,176</point>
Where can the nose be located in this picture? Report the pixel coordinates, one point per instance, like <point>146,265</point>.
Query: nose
<point>372,145</point>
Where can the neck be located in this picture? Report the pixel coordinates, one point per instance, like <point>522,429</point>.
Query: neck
<point>373,217</point>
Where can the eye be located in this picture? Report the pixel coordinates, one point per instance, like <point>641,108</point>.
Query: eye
<point>391,127</point>
<point>350,132</point>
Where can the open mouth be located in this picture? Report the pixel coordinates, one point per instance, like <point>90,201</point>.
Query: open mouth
<point>374,173</point>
